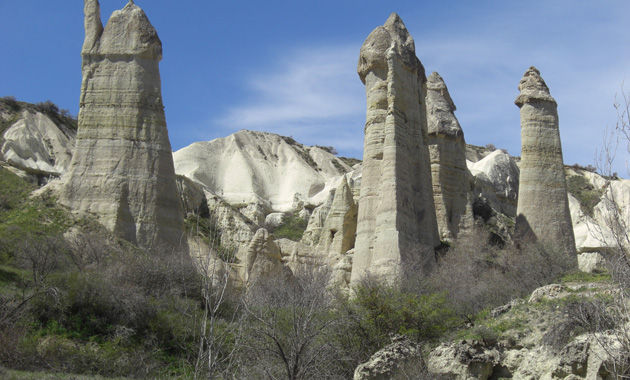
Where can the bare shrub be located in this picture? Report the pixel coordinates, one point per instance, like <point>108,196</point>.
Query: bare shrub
<point>477,275</point>
<point>289,325</point>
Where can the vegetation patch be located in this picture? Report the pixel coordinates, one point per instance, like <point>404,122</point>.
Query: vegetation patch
<point>350,161</point>
<point>292,228</point>
<point>583,277</point>
<point>584,192</point>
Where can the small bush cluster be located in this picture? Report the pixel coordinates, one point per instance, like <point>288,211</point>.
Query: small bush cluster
<point>584,192</point>
<point>292,228</point>
<point>477,275</point>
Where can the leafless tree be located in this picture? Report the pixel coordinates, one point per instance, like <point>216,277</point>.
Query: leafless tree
<point>614,233</point>
<point>289,326</point>
<point>220,327</point>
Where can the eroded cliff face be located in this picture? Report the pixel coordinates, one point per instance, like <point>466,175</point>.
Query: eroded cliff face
<point>447,151</point>
<point>122,167</point>
<point>543,206</point>
<point>397,228</point>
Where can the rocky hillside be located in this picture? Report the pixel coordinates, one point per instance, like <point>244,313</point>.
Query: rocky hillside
<point>256,175</point>
<point>257,167</point>
<point>37,139</point>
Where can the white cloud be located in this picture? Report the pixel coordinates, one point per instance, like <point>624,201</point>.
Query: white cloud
<point>311,94</point>
<point>314,94</point>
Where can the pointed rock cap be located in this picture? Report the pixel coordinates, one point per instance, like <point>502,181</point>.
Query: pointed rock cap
<point>129,32</point>
<point>392,37</point>
<point>533,88</point>
<point>441,118</point>
<point>436,83</point>
<point>93,25</point>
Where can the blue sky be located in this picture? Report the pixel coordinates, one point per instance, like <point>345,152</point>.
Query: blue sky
<point>289,67</point>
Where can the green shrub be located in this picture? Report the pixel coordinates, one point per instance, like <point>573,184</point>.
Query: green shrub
<point>292,228</point>
<point>584,192</point>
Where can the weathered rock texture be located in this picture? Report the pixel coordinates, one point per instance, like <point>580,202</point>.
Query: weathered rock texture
<point>261,259</point>
<point>36,144</point>
<point>257,167</point>
<point>543,206</point>
<point>397,228</point>
<point>122,168</point>
<point>338,235</point>
<point>523,349</point>
<point>447,150</point>
<point>400,360</point>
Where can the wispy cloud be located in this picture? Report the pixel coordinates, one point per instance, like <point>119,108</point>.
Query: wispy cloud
<point>311,94</point>
<point>314,95</point>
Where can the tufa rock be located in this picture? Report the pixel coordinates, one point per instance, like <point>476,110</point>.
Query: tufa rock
<point>396,228</point>
<point>399,360</point>
<point>447,150</point>
<point>257,167</point>
<point>35,144</point>
<point>338,235</point>
<point>543,206</point>
<point>122,168</point>
<point>262,259</point>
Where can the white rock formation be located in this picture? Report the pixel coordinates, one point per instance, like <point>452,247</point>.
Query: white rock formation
<point>122,167</point>
<point>338,235</point>
<point>36,144</point>
<point>447,150</point>
<point>261,259</point>
<point>397,228</point>
<point>543,206</point>
<point>496,178</point>
<point>249,167</point>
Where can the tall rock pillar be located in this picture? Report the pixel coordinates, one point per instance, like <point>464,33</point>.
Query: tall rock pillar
<point>122,168</point>
<point>447,149</point>
<point>396,228</point>
<point>543,206</point>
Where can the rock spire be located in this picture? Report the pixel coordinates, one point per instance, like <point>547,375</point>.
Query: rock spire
<point>447,149</point>
<point>122,167</point>
<point>397,228</point>
<point>543,206</point>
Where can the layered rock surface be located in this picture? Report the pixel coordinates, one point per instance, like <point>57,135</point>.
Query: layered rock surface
<point>33,141</point>
<point>122,167</point>
<point>397,228</point>
<point>543,206</point>
<point>447,150</point>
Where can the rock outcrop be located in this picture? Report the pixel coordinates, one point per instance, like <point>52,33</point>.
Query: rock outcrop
<point>495,179</point>
<point>397,228</point>
<point>338,235</point>
<point>261,259</point>
<point>543,206</point>
<point>531,344</point>
<point>250,167</point>
<point>122,167</point>
<point>447,150</point>
<point>36,144</point>
<point>400,360</point>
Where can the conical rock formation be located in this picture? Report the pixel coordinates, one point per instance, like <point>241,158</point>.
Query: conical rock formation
<point>447,150</point>
<point>122,168</point>
<point>543,206</point>
<point>397,228</point>
<point>338,235</point>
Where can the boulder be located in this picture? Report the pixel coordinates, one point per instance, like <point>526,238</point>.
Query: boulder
<point>396,228</point>
<point>400,360</point>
